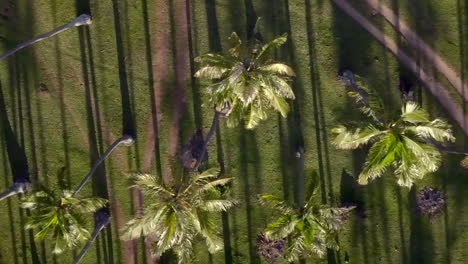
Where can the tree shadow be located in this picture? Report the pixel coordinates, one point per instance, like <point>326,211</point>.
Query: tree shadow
<point>246,147</point>
<point>214,41</point>
<point>421,238</point>
<point>18,165</point>
<point>99,181</point>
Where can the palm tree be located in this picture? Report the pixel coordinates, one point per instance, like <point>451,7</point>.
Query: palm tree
<point>81,20</point>
<point>408,145</point>
<point>247,82</point>
<point>180,214</point>
<point>60,215</point>
<point>311,229</point>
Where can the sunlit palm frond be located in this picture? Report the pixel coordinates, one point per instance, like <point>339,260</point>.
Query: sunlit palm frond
<point>438,130</point>
<point>215,60</point>
<point>273,202</point>
<point>412,113</point>
<point>380,157</point>
<point>150,184</point>
<point>211,72</point>
<point>276,43</point>
<point>278,102</point>
<point>347,139</point>
<point>218,205</point>
<point>282,227</point>
<point>280,85</point>
<point>253,116</point>
<point>278,68</point>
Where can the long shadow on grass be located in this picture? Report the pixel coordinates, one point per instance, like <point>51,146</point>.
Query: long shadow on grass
<point>94,135</point>
<point>215,46</point>
<point>246,147</point>
<point>18,165</point>
<point>16,91</point>
<point>61,95</point>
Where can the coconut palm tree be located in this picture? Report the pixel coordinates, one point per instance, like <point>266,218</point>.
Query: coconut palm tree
<point>247,81</point>
<point>180,214</point>
<point>408,144</point>
<point>310,229</point>
<point>61,216</point>
<point>81,20</point>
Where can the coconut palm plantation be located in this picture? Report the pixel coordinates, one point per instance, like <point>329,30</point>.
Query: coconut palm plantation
<point>233,131</point>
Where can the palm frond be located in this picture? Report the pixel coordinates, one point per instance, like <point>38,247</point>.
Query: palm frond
<point>380,156</point>
<point>150,185</point>
<point>276,43</point>
<point>218,205</point>
<point>253,116</point>
<point>215,60</point>
<point>273,202</point>
<point>282,227</point>
<point>412,113</point>
<point>211,72</point>
<point>346,139</point>
<point>278,68</point>
<point>278,102</point>
<point>280,86</point>
<point>438,129</point>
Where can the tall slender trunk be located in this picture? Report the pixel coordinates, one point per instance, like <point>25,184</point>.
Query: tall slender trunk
<point>102,219</point>
<point>15,188</point>
<point>125,139</point>
<point>81,20</point>
<point>210,134</point>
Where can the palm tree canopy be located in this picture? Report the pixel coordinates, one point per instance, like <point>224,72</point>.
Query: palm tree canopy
<point>178,215</point>
<point>247,81</point>
<point>61,216</point>
<point>311,230</point>
<point>402,145</point>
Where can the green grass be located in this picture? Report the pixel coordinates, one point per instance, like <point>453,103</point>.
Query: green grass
<point>55,130</point>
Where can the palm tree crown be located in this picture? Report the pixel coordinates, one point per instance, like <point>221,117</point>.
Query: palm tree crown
<point>247,82</point>
<point>61,215</point>
<point>406,145</point>
<point>178,215</point>
<point>310,230</point>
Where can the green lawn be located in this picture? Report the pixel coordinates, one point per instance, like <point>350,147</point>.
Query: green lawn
<point>85,68</point>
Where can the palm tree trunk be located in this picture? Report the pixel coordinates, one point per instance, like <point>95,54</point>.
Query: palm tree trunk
<point>445,148</point>
<point>102,219</point>
<point>125,139</point>
<point>211,133</point>
<point>83,19</point>
<point>15,188</point>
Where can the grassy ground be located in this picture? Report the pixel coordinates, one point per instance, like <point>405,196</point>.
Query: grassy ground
<point>84,70</point>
